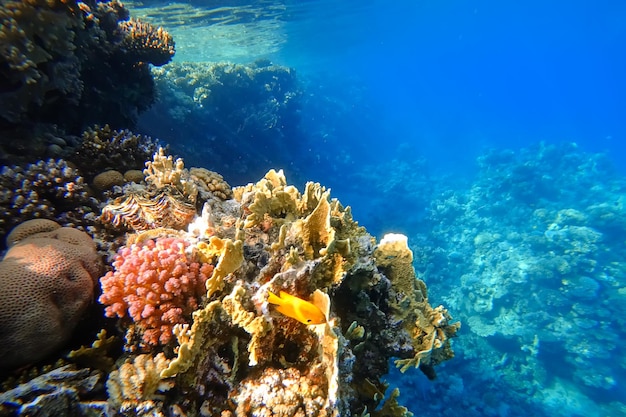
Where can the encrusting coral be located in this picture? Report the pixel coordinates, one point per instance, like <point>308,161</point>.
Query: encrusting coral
<point>47,280</point>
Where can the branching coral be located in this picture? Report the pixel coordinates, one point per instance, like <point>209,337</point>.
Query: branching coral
<point>103,148</point>
<point>157,285</point>
<point>147,43</point>
<point>50,189</point>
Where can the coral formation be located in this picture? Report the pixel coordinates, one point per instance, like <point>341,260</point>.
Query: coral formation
<point>146,43</point>
<point>210,184</point>
<point>168,201</point>
<point>531,256</point>
<point>137,381</point>
<point>108,179</point>
<point>157,285</point>
<point>64,391</point>
<point>47,189</point>
<point>230,109</point>
<point>103,148</point>
<point>47,280</point>
<point>73,64</point>
<point>201,335</point>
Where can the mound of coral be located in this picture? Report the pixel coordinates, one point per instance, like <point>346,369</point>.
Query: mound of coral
<point>200,336</point>
<point>47,280</point>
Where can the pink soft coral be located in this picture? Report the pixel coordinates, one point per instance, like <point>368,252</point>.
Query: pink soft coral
<point>157,285</point>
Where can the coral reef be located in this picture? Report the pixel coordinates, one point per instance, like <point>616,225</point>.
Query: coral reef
<point>46,189</point>
<point>156,286</point>
<point>73,64</point>
<point>47,280</point>
<point>238,356</point>
<point>102,149</point>
<point>146,43</point>
<point>228,110</point>
<point>168,201</point>
<point>201,336</point>
<point>531,256</point>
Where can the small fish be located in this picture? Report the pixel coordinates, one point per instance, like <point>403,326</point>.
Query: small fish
<point>297,308</point>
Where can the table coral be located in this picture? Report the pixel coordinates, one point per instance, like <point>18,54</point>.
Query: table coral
<point>47,280</point>
<point>147,43</point>
<point>157,285</point>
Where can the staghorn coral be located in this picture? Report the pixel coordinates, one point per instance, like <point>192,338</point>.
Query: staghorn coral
<point>157,285</point>
<point>145,43</point>
<point>46,189</point>
<point>47,280</point>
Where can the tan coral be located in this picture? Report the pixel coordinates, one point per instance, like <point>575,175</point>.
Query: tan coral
<point>147,43</point>
<point>137,380</point>
<point>108,179</point>
<point>429,328</point>
<point>211,182</point>
<point>29,228</point>
<point>46,282</point>
<point>164,171</point>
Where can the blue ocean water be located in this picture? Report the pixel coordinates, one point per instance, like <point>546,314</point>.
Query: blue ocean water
<point>492,134</point>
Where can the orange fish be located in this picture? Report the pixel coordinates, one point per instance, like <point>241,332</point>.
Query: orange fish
<point>297,308</point>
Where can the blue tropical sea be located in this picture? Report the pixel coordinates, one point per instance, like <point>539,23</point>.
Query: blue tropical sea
<point>491,134</point>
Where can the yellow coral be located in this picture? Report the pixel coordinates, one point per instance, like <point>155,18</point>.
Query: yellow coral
<point>138,379</point>
<point>230,258</point>
<point>163,171</point>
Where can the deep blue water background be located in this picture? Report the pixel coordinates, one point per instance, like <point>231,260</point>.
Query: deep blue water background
<point>404,96</point>
<point>455,77</point>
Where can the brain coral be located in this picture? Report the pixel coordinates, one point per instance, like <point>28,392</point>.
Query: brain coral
<point>47,280</point>
<point>157,285</point>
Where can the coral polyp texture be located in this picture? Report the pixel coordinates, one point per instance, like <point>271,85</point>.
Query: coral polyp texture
<point>157,285</point>
<point>47,280</point>
<point>147,43</point>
